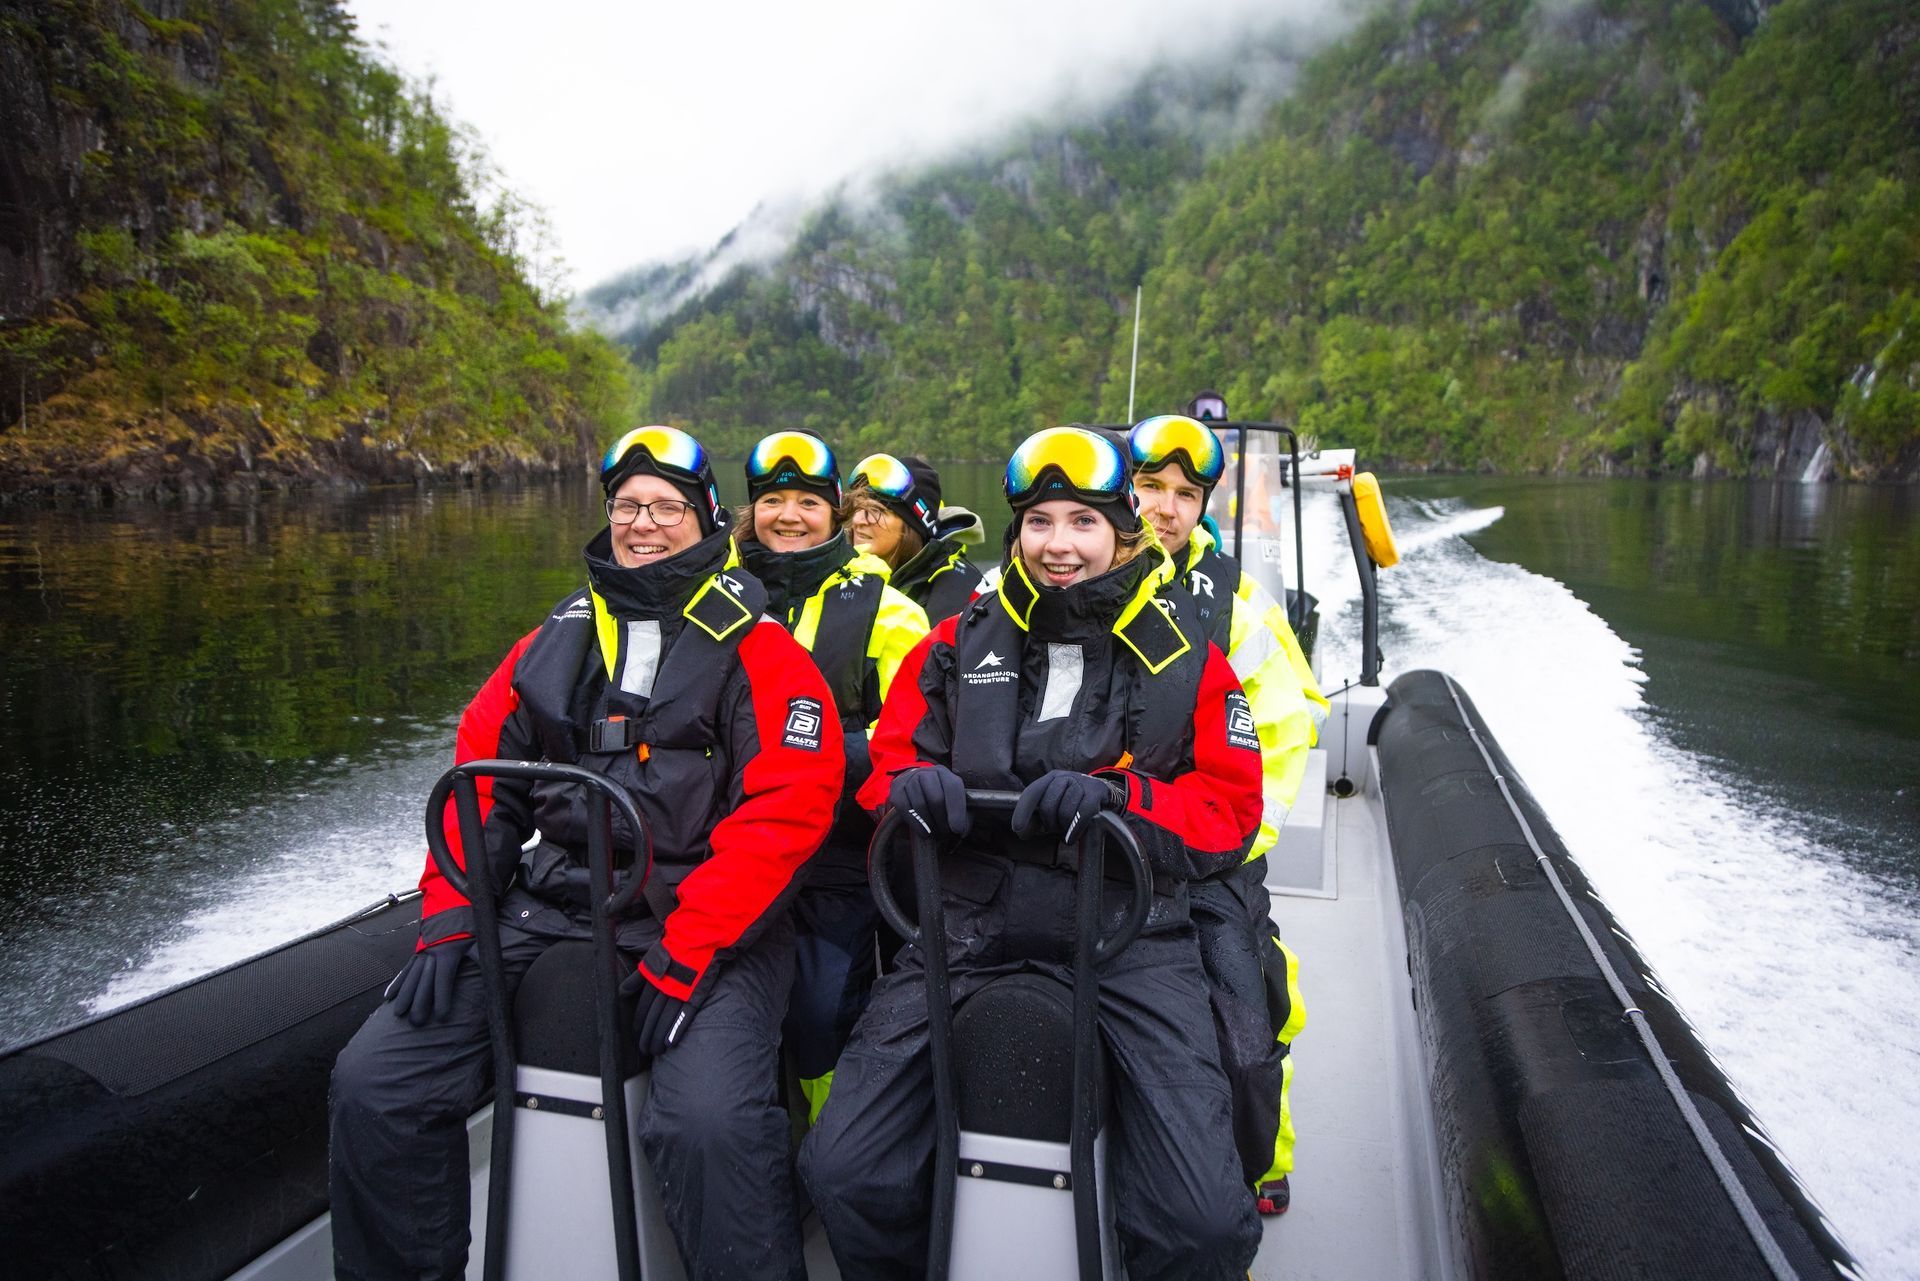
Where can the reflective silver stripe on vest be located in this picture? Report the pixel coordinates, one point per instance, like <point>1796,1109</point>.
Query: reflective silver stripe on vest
<point>643,657</point>
<point>1260,645</point>
<point>1066,665</point>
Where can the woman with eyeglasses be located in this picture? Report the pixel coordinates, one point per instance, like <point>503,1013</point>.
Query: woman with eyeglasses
<point>663,675</point>
<point>837,603</point>
<point>1083,682</point>
<point>894,512</point>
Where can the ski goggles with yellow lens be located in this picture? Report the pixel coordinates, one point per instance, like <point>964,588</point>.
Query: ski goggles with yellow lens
<point>1067,458</point>
<point>670,448</point>
<point>1176,438</point>
<point>793,460</point>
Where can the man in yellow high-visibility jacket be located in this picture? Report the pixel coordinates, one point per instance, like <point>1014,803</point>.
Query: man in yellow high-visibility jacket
<point>1253,978</point>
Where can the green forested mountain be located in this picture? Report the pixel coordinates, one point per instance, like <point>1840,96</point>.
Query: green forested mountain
<point>941,306</point>
<point>1651,235</point>
<point>237,250</point>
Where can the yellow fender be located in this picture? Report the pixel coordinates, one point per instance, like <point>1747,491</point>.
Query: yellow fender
<point>1373,520</point>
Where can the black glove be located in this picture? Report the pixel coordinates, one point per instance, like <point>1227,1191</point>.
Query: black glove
<point>934,798</point>
<point>423,992</point>
<point>658,1019</point>
<point>1061,800</point>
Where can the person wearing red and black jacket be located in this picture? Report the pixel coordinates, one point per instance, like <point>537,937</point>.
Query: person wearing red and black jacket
<point>1085,682</point>
<point>664,675</point>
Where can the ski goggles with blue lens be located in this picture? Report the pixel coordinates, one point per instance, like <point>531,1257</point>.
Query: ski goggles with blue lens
<point>670,448</point>
<point>793,458</point>
<point>888,479</point>
<point>1069,457</point>
<point>884,474</point>
<point>1176,438</point>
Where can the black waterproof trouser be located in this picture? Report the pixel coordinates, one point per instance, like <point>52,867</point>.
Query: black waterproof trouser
<point>712,1127</point>
<point>1239,949</point>
<point>1181,1208</point>
<point>835,923</point>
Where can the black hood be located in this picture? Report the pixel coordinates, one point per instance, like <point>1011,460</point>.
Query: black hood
<point>1083,611</point>
<point>659,590</point>
<point>793,577</point>
<point>914,575</point>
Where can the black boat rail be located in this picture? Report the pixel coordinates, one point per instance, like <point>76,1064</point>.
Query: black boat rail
<point>484,895</point>
<point>928,934</point>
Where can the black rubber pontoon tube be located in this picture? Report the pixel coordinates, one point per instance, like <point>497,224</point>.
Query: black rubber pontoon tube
<point>482,894</point>
<point>1763,1239</point>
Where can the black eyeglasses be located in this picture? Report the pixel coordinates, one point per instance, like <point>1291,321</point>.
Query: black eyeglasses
<point>664,512</point>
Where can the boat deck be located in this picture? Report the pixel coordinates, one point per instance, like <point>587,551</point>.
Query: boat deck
<point>1365,1174</point>
<point>1365,1186</point>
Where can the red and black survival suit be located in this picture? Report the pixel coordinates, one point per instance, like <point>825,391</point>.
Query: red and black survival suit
<point>1111,676</point>
<point>668,679</point>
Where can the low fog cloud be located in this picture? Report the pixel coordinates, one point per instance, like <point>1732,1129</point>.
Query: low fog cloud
<point>648,132</point>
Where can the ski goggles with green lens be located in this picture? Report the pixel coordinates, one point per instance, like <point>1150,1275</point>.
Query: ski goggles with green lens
<point>1071,458</point>
<point>1176,438</point>
<point>793,459</point>
<point>670,448</point>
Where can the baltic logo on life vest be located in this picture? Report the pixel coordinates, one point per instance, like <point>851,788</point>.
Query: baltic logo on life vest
<point>803,724</point>
<point>1241,731</point>
<point>990,670</point>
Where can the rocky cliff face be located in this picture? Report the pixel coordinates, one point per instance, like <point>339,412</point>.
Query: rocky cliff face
<point>236,251</point>
<point>60,139</point>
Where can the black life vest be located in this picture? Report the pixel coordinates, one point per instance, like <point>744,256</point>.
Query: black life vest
<point>848,608</point>
<point>939,579</point>
<point>664,745</point>
<point>1211,578</point>
<point>849,603</point>
<point>1162,639</point>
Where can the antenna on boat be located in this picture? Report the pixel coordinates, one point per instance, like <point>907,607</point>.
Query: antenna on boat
<point>1133,371</point>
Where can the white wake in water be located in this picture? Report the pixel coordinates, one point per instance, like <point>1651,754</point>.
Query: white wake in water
<point>1798,972</point>
<point>320,856</point>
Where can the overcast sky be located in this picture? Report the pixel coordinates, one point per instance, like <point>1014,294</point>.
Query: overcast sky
<point>649,129</point>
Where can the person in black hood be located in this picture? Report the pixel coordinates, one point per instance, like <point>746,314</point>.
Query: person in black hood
<point>663,675</point>
<point>1084,682</point>
<point>838,604</point>
<point>894,510</point>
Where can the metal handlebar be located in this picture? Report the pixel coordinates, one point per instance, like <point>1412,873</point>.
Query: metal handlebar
<point>929,935</point>
<point>881,850</point>
<point>538,772</point>
<point>483,894</point>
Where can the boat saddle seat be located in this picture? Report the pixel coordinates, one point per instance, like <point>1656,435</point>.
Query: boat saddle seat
<point>1013,1060</point>
<point>553,1015</point>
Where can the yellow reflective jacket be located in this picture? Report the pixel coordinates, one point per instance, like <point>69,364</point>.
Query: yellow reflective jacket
<point>1288,707</point>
